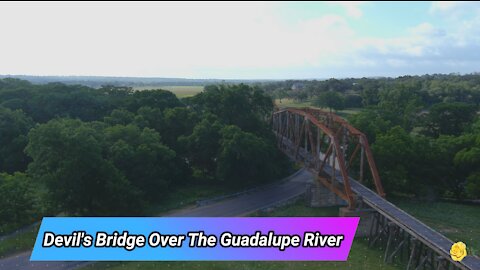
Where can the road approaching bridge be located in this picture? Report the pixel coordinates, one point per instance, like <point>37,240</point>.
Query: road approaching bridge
<point>241,205</point>
<point>333,150</point>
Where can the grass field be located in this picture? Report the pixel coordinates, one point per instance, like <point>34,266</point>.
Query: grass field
<point>458,222</point>
<point>179,91</point>
<point>287,102</point>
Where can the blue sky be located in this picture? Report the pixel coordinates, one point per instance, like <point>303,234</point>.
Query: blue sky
<point>287,40</point>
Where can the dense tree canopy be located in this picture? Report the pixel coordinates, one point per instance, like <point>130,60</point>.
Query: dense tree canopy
<point>330,99</point>
<point>14,127</point>
<point>116,151</point>
<point>245,158</point>
<point>68,156</point>
<point>449,118</point>
<point>17,201</point>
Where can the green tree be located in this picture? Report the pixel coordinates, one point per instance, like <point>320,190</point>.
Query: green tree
<point>67,158</point>
<point>177,122</point>
<point>473,185</point>
<point>150,117</point>
<point>449,118</point>
<point>370,95</point>
<point>245,158</point>
<point>398,155</point>
<point>353,101</point>
<point>14,126</point>
<point>468,160</point>
<point>370,122</point>
<point>160,99</point>
<point>202,146</point>
<point>393,152</point>
<point>330,99</point>
<point>445,169</point>
<point>400,104</point>
<point>148,164</point>
<point>17,201</point>
<point>240,105</point>
<point>119,117</point>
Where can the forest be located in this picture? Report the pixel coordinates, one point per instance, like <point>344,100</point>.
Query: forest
<point>74,150</point>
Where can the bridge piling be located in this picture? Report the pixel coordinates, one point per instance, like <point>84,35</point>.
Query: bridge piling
<point>365,224</point>
<point>317,195</point>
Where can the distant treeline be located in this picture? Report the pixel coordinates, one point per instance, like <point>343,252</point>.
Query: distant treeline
<point>76,150</point>
<point>99,81</point>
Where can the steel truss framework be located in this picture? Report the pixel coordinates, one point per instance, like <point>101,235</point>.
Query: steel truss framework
<point>327,145</point>
<point>320,139</point>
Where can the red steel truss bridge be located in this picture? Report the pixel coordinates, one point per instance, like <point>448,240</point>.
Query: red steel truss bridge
<point>337,154</point>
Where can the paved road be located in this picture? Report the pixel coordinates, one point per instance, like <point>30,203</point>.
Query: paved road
<point>238,206</point>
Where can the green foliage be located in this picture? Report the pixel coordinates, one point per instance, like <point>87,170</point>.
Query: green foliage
<point>393,152</point>
<point>119,117</point>
<point>14,126</point>
<point>245,158</point>
<point>203,144</point>
<point>353,101</point>
<point>149,117</point>
<point>370,122</point>
<point>330,99</point>
<point>398,155</point>
<point>241,105</point>
<point>160,99</point>
<point>449,118</point>
<point>473,185</point>
<point>115,151</point>
<point>139,154</point>
<point>444,168</point>
<point>177,122</point>
<point>468,160</point>
<point>400,105</point>
<point>17,201</point>
<point>370,95</point>
<point>68,158</point>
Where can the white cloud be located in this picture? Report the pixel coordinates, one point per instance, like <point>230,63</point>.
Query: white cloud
<point>242,40</point>
<point>454,10</point>
<point>445,6</point>
<point>352,8</point>
<point>152,39</point>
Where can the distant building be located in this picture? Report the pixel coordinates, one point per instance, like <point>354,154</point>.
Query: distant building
<point>297,86</point>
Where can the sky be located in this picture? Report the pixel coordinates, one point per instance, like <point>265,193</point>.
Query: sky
<point>262,40</point>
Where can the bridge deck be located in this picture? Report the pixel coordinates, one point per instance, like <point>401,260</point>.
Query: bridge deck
<point>296,126</point>
<point>416,228</point>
